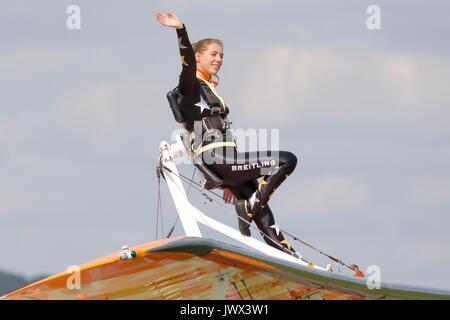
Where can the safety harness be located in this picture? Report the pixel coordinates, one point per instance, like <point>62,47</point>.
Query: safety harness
<point>213,126</point>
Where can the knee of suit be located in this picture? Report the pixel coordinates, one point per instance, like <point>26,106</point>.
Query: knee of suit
<point>291,162</point>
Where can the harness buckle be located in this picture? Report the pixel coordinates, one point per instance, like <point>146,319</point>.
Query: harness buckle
<point>216,111</point>
<point>214,122</point>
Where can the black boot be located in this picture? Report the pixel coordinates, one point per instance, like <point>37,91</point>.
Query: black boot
<point>245,217</point>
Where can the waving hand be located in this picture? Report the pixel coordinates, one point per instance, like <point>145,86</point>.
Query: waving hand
<point>168,20</point>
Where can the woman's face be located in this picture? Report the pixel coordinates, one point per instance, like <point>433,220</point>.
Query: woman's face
<point>210,60</point>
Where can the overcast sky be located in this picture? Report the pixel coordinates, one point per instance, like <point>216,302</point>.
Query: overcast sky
<point>367,112</point>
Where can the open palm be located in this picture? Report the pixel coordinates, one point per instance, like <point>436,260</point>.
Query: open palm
<point>168,20</point>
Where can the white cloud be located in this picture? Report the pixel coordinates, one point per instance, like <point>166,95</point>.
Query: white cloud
<point>7,146</point>
<point>4,132</point>
<point>10,201</point>
<point>106,110</point>
<point>327,195</point>
<point>232,5</point>
<point>288,84</point>
<point>33,59</point>
<point>432,253</point>
<point>3,206</point>
<point>431,190</point>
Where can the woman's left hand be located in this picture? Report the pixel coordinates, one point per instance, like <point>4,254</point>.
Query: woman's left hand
<point>169,20</point>
<point>228,196</point>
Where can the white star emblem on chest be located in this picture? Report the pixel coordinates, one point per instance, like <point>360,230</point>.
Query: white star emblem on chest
<point>202,104</point>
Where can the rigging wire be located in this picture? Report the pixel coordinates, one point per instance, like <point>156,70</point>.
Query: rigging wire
<point>352,267</point>
<point>185,179</point>
<point>159,210</point>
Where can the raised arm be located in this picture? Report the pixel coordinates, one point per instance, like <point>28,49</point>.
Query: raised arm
<point>188,76</point>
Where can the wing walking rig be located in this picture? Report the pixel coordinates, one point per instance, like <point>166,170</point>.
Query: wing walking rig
<point>193,267</point>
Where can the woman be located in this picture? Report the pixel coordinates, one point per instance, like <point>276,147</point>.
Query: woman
<point>205,113</point>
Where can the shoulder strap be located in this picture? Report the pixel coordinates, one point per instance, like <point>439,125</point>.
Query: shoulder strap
<point>211,95</point>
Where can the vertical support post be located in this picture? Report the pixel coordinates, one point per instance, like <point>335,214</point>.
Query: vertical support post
<point>185,211</point>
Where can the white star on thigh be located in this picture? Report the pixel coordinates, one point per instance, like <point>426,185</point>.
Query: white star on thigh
<point>202,104</point>
<point>277,229</point>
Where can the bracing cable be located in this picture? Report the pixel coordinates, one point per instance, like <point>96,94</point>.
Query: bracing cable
<point>186,180</point>
<point>352,267</point>
<point>159,210</point>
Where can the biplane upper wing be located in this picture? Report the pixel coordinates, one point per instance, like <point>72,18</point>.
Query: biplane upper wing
<point>198,268</point>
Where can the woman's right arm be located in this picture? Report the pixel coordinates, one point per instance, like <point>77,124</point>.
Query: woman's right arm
<point>188,76</point>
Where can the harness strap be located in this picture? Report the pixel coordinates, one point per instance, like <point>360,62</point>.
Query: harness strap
<point>204,78</point>
<point>215,93</point>
<point>215,145</point>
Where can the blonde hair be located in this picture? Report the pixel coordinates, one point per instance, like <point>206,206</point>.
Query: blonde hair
<point>203,44</point>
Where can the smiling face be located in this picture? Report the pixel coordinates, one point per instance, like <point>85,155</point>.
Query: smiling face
<point>210,60</point>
